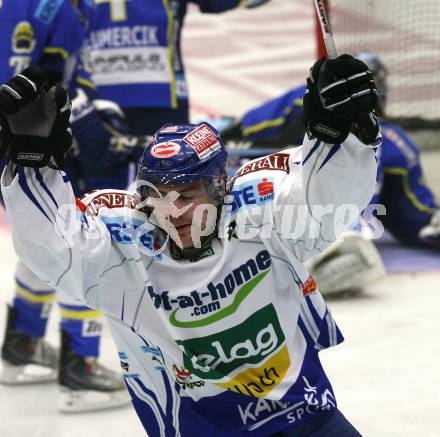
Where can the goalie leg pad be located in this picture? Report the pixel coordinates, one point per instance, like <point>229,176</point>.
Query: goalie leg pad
<point>349,264</point>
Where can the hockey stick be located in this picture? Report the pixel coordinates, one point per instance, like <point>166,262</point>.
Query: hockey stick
<point>332,52</point>
<point>326,29</point>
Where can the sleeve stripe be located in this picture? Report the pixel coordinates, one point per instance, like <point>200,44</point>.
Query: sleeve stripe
<point>313,310</point>
<point>26,190</point>
<point>331,329</point>
<point>329,156</point>
<point>310,324</point>
<point>145,399</point>
<point>38,193</point>
<point>305,331</point>
<point>312,151</point>
<point>45,188</point>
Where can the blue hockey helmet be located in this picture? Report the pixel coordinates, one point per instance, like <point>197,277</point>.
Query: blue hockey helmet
<point>181,154</point>
<point>380,75</point>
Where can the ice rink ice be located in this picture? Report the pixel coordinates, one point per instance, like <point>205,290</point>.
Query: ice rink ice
<point>386,374</point>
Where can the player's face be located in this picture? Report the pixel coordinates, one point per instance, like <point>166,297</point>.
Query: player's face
<point>189,226</point>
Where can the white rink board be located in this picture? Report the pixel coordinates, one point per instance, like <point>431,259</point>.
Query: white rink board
<point>385,374</point>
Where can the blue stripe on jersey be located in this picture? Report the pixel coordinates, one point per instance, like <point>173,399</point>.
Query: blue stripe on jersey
<point>153,397</point>
<point>313,311</point>
<point>123,306</point>
<point>26,190</point>
<point>312,151</point>
<point>309,339</point>
<point>145,413</point>
<point>44,186</point>
<point>169,395</point>
<point>330,154</point>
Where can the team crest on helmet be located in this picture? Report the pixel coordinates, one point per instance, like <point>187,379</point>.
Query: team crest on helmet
<point>166,149</point>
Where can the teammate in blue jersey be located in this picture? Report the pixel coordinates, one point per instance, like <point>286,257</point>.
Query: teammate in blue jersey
<point>50,33</point>
<point>412,214</point>
<point>136,60</point>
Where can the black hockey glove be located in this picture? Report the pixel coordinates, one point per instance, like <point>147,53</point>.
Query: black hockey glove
<point>340,92</point>
<point>34,120</point>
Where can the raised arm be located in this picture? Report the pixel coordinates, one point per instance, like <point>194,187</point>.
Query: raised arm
<point>51,240</point>
<point>333,175</point>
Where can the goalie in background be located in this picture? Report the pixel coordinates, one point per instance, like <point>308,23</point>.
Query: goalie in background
<point>412,214</point>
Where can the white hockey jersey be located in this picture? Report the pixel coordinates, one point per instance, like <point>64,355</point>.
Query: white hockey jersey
<point>227,344</point>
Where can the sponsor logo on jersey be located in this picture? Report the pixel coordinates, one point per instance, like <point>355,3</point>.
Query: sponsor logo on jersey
<point>207,306</point>
<point>23,38</point>
<point>309,286</point>
<point>203,140</point>
<point>185,379</point>
<point>254,192</point>
<point>127,233</point>
<point>108,200</point>
<point>276,161</point>
<point>123,356</point>
<point>165,150</point>
<point>258,382</point>
<point>156,355</point>
<point>47,9</point>
<point>124,365</point>
<point>262,407</point>
<point>124,36</point>
<point>132,65</point>
<point>258,412</point>
<point>259,339</point>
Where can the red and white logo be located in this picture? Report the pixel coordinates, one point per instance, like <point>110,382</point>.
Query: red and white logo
<point>181,375</point>
<point>203,140</point>
<point>265,187</point>
<point>165,150</point>
<point>309,286</point>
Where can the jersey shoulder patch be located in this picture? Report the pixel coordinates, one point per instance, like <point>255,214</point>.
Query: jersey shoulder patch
<point>276,161</point>
<point>91,203</point>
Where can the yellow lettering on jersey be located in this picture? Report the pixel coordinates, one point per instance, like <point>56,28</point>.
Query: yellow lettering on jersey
<point>118,9</point>
<point>258,382</point>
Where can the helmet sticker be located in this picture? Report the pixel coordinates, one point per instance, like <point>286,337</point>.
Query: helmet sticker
<point>203,140</point>
<point>169,129</point>
<point>165,150</point>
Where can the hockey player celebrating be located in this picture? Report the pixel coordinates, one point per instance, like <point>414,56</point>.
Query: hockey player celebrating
<point>218,331</point>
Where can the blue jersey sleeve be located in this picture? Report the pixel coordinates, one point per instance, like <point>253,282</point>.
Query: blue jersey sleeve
<point>270,119</point>
<point>41,32</point>
<point>402,188</point>
<point>66,34</point>
<point>64,39</point>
